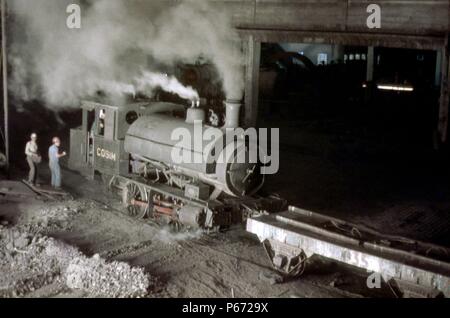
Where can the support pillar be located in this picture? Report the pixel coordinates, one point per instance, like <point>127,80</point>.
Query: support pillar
<point>370,59</point>
<point>370,63</point>
<point>445,90</point>
<point>5,83</point>
<point>253,60</point>
<point>438,73</point>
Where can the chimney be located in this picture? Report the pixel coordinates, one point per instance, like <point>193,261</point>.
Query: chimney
<point>233,112</point>
<point>195,114</point>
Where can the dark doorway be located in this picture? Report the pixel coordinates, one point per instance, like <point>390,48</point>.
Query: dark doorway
<point>356,141</point>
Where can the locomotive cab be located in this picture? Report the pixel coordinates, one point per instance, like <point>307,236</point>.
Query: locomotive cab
<point>98,145</point>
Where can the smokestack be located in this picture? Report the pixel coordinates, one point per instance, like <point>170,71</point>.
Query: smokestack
<point>195,114</point>
<point>233,112</point>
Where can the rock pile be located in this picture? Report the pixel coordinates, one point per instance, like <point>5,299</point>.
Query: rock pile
<point>53,216</point>
<point>24,263</point>
<point>31,262</point>
<point>101,279</point>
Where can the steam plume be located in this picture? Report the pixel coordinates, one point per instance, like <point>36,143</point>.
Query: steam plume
<point>168,84</point>
<point>120,48</point>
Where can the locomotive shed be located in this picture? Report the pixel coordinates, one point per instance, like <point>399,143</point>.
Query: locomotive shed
<point>362,114</point>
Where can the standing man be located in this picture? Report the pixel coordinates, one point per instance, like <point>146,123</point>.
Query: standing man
<point>54,155</point>
<point>33,158</point>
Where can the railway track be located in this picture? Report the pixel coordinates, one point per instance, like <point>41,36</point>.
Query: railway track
<point>204,246</point>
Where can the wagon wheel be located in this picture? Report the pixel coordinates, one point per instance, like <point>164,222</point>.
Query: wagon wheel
<point>132,192</point>
<point>288,266</point>
<point>296,266</point>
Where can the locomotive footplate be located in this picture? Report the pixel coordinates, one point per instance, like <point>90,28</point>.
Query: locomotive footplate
<point>169,205</point>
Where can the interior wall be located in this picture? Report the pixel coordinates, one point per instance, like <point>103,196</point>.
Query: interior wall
<point>333,52</point>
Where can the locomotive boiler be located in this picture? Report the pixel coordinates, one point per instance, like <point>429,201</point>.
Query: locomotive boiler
<point>149,140</point>
<point>134,148</point>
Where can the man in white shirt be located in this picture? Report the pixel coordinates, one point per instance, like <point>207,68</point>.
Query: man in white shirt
<point>31,151</point>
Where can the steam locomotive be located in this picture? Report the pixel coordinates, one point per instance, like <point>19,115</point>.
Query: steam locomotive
<point>131,147</point>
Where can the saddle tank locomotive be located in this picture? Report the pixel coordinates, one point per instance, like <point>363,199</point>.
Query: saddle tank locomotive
<point>131,146</point>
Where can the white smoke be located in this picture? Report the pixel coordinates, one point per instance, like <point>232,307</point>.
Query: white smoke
<point>119,48</point>
<point>150,81</point>
<point>113,88</point>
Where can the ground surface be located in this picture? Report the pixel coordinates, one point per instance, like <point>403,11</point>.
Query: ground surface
<point>180,265</point>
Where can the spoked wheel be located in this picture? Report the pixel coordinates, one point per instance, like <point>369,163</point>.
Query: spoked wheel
<point>296,266</point>
<point>176,226</point>
<point>288,264</point>
<point>135,200</point>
